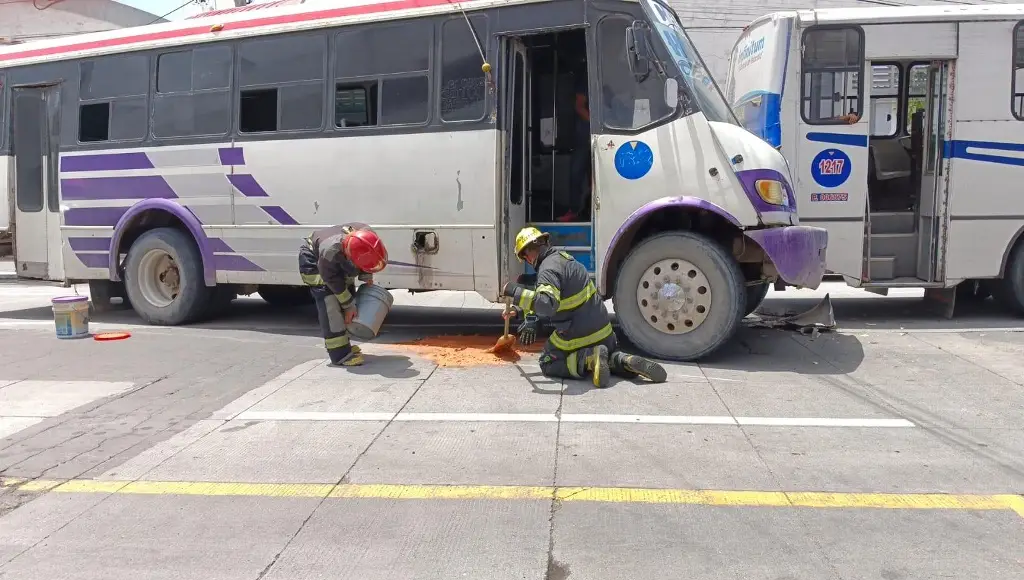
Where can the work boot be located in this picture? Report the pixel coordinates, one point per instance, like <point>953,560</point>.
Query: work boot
<point>352,359</point>
<point>632,366</point>
<point>597,365</point>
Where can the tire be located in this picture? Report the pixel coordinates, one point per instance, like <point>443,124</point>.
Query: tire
<point>286,296</point>
<point>755,296</point>
<point>726,295</point>
<point>220,300</point>
<point>146,270</point>
<point>1010,290</point>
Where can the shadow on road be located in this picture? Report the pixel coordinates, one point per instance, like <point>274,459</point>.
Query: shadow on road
<point>753,349</point>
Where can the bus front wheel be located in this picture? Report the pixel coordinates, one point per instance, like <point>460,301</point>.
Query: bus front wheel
<point>164,278</point>
<point>679,296</point>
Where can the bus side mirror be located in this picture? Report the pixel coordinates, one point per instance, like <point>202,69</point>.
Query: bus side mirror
<point>672,93</point>
<point>638,53</point>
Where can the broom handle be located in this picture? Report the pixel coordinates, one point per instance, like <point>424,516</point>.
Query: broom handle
<point>508,302</point>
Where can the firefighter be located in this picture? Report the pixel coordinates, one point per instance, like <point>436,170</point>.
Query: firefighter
<point>330,261</point>
<point>583,343</point>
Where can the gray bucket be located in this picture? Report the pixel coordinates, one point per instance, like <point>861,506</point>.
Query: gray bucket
<point>373,303</point>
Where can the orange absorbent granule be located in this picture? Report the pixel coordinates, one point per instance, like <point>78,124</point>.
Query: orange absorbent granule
<point>465,350</point>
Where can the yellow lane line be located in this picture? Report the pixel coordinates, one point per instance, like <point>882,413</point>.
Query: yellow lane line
<point>736,498</point>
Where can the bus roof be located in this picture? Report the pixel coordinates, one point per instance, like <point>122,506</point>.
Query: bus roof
<point>275,18</point>
<point>901,14</point>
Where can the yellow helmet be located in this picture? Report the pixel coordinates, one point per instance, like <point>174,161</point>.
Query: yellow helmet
<point>527,236</point>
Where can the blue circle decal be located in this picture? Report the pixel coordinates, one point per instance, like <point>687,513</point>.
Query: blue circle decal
<point>831,168</point>
<point>634,159</point>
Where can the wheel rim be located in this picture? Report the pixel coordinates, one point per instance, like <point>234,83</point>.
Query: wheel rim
<point>674,296</point>
<point>159,278</point>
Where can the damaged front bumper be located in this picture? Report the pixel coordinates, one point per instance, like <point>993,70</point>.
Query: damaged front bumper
<point>797,252</point>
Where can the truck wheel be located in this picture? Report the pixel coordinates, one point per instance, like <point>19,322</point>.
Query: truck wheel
<point>164,278</point>
<point>1010,290</point>
<point>755,296</point>
<point>286,296</point>
<point>679,296</point>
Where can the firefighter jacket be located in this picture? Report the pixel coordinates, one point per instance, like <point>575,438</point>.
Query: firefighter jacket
<point>568,300</point>
<point>322,262</point>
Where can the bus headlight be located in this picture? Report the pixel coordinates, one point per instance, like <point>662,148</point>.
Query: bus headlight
<point>771,191</point>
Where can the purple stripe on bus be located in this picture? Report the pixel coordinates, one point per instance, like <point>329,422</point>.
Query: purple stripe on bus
<point>93,216</point>
<point>234,263</point>
<point>219,245</point>
<point>231,156</point>
<point>246,184</point>
<point>277,212</point>
<point>89,244</point>
<point>94,260</point>
<point>129,187</point>
<point>105,162</point>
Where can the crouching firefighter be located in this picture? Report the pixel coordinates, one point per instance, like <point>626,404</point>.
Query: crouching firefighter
<point>583,343</point>
<point>330,262</point>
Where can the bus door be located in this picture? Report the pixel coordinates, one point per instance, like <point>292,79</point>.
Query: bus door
<point>35,146</point>
<point>831,165</point>
<point>515,135</point>
<point>934,171</point>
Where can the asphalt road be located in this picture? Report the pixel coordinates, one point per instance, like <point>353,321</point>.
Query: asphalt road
<point>890,449</point>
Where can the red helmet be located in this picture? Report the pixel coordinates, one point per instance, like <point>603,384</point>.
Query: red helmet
<point>366,251</point>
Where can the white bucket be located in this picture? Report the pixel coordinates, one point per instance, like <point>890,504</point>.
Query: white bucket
<point>373,304</point>
<point>71,316</point>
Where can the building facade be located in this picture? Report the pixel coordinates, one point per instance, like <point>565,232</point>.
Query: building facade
<point>28,20</point>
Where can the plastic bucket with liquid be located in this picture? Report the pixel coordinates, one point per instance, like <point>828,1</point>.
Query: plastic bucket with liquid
<point>373,303</point>
<point>71,316</point>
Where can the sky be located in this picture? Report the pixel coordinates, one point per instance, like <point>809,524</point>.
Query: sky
<point>161,7</point>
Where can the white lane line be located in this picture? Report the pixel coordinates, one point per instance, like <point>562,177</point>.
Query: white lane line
<point>821,422</point>
<point>649,419</point>
<point>311,416</point>
<point>571,418</point>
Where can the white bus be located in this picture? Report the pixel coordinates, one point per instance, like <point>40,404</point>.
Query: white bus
<point>905,131</point>
<point>184,163</point>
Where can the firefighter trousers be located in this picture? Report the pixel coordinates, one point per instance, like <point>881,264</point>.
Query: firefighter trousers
<point>328,309</point>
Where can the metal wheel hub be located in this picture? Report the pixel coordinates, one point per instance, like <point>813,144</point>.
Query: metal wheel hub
<point>674,296</point>
<point>159,278</point>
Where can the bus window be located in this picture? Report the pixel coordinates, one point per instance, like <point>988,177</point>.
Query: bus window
<point>885,100</point>
<point>397,56</point>
<point>112,99</point>
<point>193,92</point>
<point>625,103</point>
<point>833,59</point>
<point>463,90</point>
<point>917,91</point>
<point>1018,71</point>
<point>281,82</point>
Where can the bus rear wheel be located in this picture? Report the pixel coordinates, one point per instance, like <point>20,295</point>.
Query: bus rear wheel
<point>1010,290</point>
<point>164,278</point>
<point>679,296</point>
<point>286,296</point>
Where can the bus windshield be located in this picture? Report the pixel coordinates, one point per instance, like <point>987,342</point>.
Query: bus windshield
<point>684,54</point>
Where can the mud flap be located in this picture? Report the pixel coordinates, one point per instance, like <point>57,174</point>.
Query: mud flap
<point>942,301</point>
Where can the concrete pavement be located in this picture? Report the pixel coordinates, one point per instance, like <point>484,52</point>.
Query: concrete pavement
<point>891,449</point>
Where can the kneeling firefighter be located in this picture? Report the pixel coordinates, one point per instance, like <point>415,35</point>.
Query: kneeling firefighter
<point>330,261</point>
<point>583,342</point>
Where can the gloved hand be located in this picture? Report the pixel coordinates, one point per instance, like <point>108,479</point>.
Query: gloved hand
<point>509,289</point>
<point>350,315</point>
<point>527,331</point>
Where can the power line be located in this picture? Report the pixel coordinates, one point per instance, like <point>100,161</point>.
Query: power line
<point>164,17</point>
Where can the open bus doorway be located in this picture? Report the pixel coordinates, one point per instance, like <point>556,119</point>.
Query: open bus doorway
<point>548,161</point>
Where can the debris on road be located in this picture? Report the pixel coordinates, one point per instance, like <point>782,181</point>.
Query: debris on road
<point>812,322</point>
<point>465,350</point>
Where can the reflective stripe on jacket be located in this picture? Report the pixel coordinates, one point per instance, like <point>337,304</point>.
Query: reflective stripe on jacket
<point>566,298</point>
